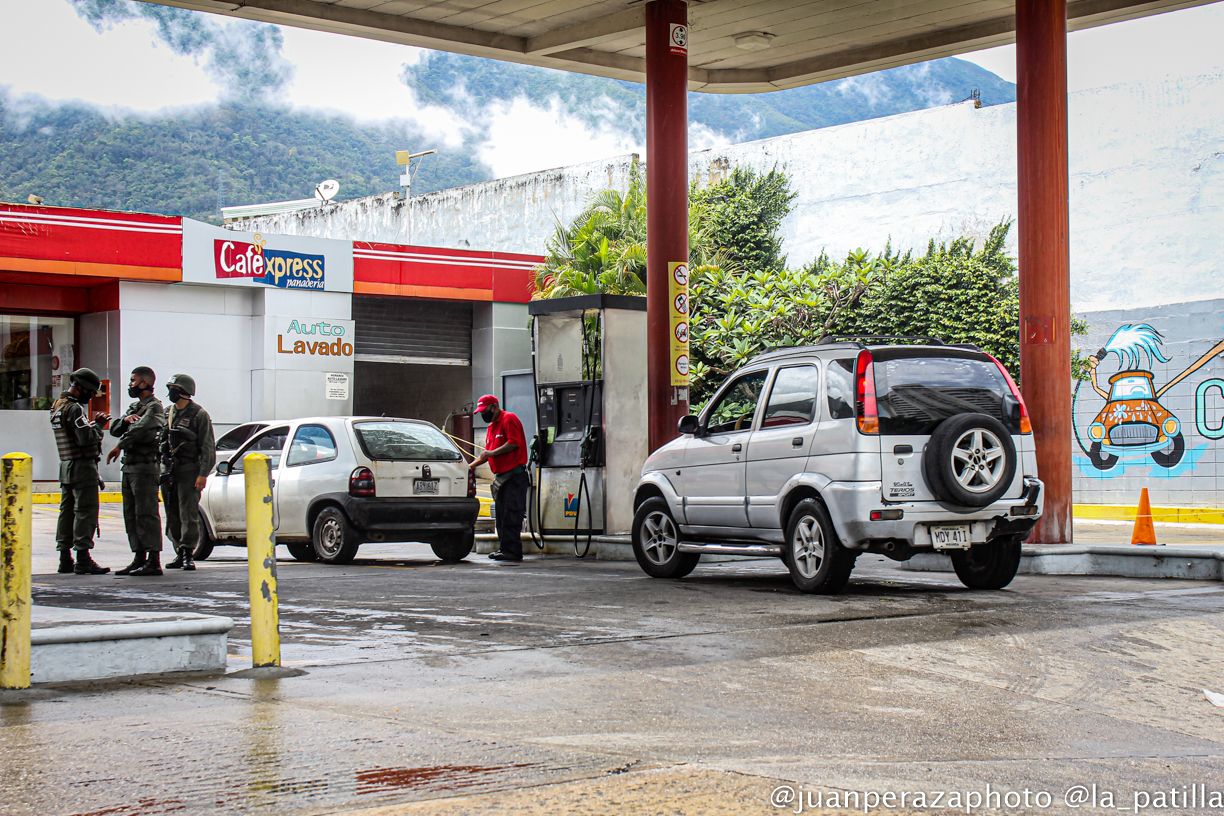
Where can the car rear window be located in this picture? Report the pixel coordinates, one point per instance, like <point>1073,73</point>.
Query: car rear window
<point>405,441</point>
<point>914,394</point>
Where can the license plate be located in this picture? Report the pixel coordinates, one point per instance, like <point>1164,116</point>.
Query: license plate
<point>950,537</point>
<point>425,487</point>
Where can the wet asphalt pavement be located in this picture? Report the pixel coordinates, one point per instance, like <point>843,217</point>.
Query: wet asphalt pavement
<point>560,686</point>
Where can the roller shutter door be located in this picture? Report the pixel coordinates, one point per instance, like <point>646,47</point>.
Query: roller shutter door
<point>421,332</point>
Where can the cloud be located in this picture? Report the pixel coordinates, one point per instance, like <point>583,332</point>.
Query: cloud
<point>520,137</point>
<point>242,57</point>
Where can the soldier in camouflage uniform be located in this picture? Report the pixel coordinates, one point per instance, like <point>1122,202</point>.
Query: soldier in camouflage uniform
<point>80,447</point>
<point>189,452</point>
<point>139,433</point>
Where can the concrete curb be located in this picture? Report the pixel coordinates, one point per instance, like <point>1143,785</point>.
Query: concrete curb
<point>68,645</point>
<point>1122,561</point>
<point>131,631</point>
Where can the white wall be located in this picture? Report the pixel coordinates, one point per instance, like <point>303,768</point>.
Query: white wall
<point>1147,191</point>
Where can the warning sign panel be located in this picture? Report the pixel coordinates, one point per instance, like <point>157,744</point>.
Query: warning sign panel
<point>678,317</point>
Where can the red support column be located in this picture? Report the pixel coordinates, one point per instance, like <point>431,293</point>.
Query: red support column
<point>667,202</point>
<point>1045,269</point>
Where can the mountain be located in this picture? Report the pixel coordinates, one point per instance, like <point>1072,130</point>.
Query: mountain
<point>466,84</point>
<point>191,162</point>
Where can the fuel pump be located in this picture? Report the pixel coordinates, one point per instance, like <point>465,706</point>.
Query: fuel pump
<point>589,360</point>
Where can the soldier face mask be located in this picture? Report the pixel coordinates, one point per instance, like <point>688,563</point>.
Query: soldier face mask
<point>134,391</point>
<point>176,394</point>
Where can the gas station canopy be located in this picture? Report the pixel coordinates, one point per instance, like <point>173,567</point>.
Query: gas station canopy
<point>735,46</point>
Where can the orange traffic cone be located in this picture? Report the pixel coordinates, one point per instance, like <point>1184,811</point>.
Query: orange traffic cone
<point>1144,532</point>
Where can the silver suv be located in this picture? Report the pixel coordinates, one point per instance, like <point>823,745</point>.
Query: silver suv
<point>819,453</point>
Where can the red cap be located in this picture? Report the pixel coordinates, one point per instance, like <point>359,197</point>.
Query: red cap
<point>487,401</point>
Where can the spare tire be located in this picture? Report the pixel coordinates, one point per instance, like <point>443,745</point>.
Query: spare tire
<point>970,460</point>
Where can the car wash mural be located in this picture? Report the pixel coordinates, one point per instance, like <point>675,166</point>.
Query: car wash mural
<point>1150,412</point>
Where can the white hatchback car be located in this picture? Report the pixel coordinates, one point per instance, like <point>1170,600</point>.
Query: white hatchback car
<point>342,481</point>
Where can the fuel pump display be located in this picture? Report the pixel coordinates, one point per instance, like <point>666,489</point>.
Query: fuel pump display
<point>590,379</point>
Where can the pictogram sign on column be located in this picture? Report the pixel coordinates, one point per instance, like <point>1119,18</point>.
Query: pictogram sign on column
<point>678,319</point>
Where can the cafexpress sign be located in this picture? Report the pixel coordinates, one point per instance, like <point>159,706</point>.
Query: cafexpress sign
<point>285,263</point>
<point>271,267</point>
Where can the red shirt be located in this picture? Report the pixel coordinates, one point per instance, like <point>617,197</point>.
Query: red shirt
<point>506,428</point>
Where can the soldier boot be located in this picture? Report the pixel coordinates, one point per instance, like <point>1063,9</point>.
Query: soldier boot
<point>177,563</point>
<point>152,565</point>
<point>85,565</point>
<point>188,563</point>
<point>66,564</point>
<point>138,561</point>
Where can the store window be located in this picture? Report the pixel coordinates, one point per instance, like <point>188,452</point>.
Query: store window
<point>36,357</point>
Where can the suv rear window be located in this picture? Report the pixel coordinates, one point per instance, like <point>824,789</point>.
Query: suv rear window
<point>914,394</point>
<point>405,441</point>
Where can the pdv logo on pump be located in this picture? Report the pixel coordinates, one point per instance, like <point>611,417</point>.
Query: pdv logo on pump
<point>272,267</point>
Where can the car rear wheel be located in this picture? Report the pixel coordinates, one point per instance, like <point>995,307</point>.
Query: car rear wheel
<point>1101,460</point>
<point>454,549</point>
<point>302,551</point>
<point>988,566</point>
<point>204,547</point>
<point>1170,456</point>
<point>817,561</point>
<point>335,540</point>
<point>970,460</point>
<point>656,542</point>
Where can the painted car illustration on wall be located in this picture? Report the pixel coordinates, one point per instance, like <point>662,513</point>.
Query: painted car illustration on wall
<point>1134,423</point>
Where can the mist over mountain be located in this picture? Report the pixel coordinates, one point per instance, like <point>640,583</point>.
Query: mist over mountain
<point>470,84</point>
<point>486,118</point>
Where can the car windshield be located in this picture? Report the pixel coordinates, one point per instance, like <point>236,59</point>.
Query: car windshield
<point>1131,388</point>
<point>234,439</point>
<point>405,441</point>
<point>915,394</point>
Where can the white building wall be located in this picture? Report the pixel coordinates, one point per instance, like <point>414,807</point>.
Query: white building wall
<point>1147,191</point>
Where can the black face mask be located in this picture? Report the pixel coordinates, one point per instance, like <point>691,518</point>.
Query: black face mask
<point>487,415</point>
<point>176,394</point>
<point>134,391</point>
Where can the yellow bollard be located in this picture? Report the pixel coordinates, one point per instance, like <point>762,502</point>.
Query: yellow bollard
<point>261,561</point>
<point>16,483</point>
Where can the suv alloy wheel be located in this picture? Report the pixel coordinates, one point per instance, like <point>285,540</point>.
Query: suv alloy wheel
<point>813,553</point>
<point>970,460</point>
<point>656,542</point>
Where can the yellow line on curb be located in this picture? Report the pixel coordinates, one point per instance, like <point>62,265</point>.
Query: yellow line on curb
<point>1124,512</point>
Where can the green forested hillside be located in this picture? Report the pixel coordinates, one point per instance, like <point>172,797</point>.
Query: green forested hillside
<point>244,152</point>
<point>74,155</point>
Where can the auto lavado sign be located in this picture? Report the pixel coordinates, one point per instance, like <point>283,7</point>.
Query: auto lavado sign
<point>319,339</point>
<point>271,267</point>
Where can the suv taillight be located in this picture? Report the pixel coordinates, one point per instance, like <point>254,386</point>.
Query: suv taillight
<point>361,482</point>
<point>471,483</point>
<point>865,394</point>
<point>1026,426</point>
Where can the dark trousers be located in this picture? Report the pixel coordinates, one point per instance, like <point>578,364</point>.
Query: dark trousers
<point>510,508</point>
<point>183,511</point>
<point>78,516</point>
<point>140,516</point>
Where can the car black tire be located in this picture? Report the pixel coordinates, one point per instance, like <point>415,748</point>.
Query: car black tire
<point>1171,456</point>
<point>302,551</point>
<point>1100,460</point>
<point>959,462</point>
<point>813,553</point>
<point>656,542</point>
<point>335,539</point>
<point>988,566</point>
<point>204,547</point>
<point>455,548</point>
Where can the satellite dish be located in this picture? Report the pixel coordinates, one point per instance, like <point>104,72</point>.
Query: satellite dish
<point>326,190</point>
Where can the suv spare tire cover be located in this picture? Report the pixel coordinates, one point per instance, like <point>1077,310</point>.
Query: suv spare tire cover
<point>945,472</point>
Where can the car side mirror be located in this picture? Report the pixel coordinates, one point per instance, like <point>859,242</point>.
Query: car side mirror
<point>1011,408</point>
<point>689,424</point>
<point>223,468</point>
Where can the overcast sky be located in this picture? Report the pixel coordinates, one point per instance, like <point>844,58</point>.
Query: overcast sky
<point>51,52</point>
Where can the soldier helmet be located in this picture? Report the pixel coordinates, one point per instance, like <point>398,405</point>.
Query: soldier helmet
<point>184,383</point>
<point>86,378</point>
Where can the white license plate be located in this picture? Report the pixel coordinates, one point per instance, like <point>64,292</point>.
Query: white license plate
<point>425,487</point>
<point>950,537</point>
